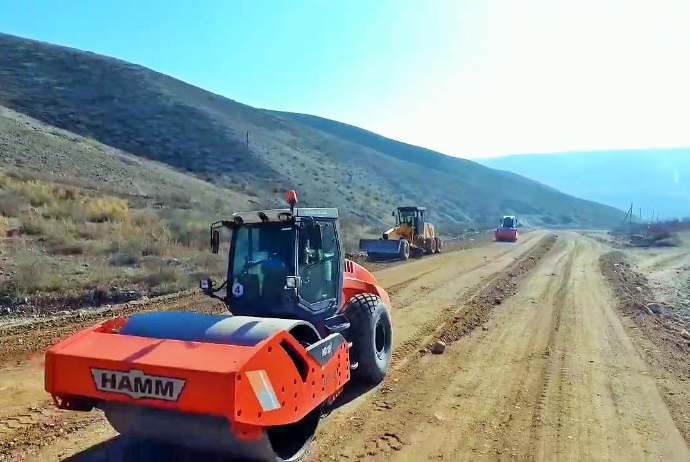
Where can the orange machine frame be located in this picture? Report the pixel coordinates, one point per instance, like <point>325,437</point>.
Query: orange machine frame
<point>357,280</point>
<point>215,375</point>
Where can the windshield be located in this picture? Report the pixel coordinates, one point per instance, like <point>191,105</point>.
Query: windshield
<point>406,216</point>
<point>508,222</point>
<point>263,258</point>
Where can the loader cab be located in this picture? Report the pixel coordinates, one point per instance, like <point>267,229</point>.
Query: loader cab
<point>411,216</point>
<point>283,263</point>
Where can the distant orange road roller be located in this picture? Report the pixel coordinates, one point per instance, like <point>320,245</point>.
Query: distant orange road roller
<point>507,230</point>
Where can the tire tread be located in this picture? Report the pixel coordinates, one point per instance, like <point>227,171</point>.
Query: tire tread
<point>359,306</point>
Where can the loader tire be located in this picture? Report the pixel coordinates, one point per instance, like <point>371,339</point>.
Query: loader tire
<point>439,244</point>
<point>404,250</point>
<point>371,334</point>
<point>429,246</point>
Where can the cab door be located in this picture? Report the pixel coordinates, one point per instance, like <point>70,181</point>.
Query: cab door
<point>320,269</point>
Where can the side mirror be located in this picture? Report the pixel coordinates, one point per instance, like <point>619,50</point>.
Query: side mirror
<point>317,237</point>
<point>206,286</point>
<point>393,213</point>
<point>215,241</point>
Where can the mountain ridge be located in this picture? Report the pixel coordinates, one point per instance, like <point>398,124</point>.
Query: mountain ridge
<point>653,179</point>
<point>159,118</point>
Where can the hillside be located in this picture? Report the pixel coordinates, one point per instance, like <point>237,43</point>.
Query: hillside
<point>654,179</point>
<point>155,117</point>
<point>84,224</point>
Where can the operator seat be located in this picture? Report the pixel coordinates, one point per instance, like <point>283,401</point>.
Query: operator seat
<point>275,272</point>
<point>250,283</point>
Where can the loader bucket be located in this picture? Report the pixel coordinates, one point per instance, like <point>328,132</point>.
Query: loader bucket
<point>380,246</point>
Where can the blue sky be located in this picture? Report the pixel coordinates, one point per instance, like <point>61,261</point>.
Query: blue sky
<point>468,78</point>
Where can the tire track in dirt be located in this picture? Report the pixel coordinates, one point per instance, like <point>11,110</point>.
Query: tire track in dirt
<point>394,289</point>
<point>402,308</point>
<point>444,280</point>
<point>532,384</point>
<point>656,337</point>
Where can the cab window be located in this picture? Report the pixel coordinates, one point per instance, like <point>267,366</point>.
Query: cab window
<point>319,269</point>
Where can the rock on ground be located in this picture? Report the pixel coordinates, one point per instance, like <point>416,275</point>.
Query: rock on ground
<point>438,347</point>
<point>656,308</point>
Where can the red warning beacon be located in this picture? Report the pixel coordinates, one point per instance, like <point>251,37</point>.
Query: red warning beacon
<point>291,198</point>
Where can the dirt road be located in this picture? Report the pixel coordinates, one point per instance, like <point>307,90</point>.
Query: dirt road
<point>538,367</point>
<point>551,376</point>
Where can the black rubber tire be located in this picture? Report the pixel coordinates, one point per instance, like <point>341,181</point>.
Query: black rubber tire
<point>428,246</point>
<point>371,334</point>
<point>302,443</point>
<point>439,244</point>
<point>404,250</point>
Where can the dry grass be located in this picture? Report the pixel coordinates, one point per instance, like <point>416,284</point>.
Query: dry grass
<point>10,204</point>
<point>76,240</point>
<point>34,225</point>
<point>100,210</point>
<point>4,225</point>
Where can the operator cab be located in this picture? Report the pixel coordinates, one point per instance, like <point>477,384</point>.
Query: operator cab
<point>413,217</point>
<point>283,263</point>
<point>508,222</point>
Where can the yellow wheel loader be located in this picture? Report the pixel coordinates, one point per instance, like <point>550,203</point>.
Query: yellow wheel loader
<point>412,235</point>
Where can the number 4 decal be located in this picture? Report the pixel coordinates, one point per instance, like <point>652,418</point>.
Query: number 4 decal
<point>237,289</point>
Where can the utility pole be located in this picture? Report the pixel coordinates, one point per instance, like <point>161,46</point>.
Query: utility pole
<point>640,215</point>
<point>247,139</point>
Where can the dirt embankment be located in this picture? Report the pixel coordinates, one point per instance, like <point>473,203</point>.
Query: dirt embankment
<point>36,335</point>
<point>661,335</point>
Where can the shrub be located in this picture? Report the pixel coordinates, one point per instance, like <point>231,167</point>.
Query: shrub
<point>146,219</point>
<point>164,275</point>
<point>34,225</point>
<point>90,231</point>
<point>181,199</point>
<point>65,245</point>
<point>61,210</point>
<point>102,209</point>
<point>10,204</point>
<point>36,192</point>
<point>124,259</point>
<point>188,233</point>
<point>4,226</point>
<point>31,277</point>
